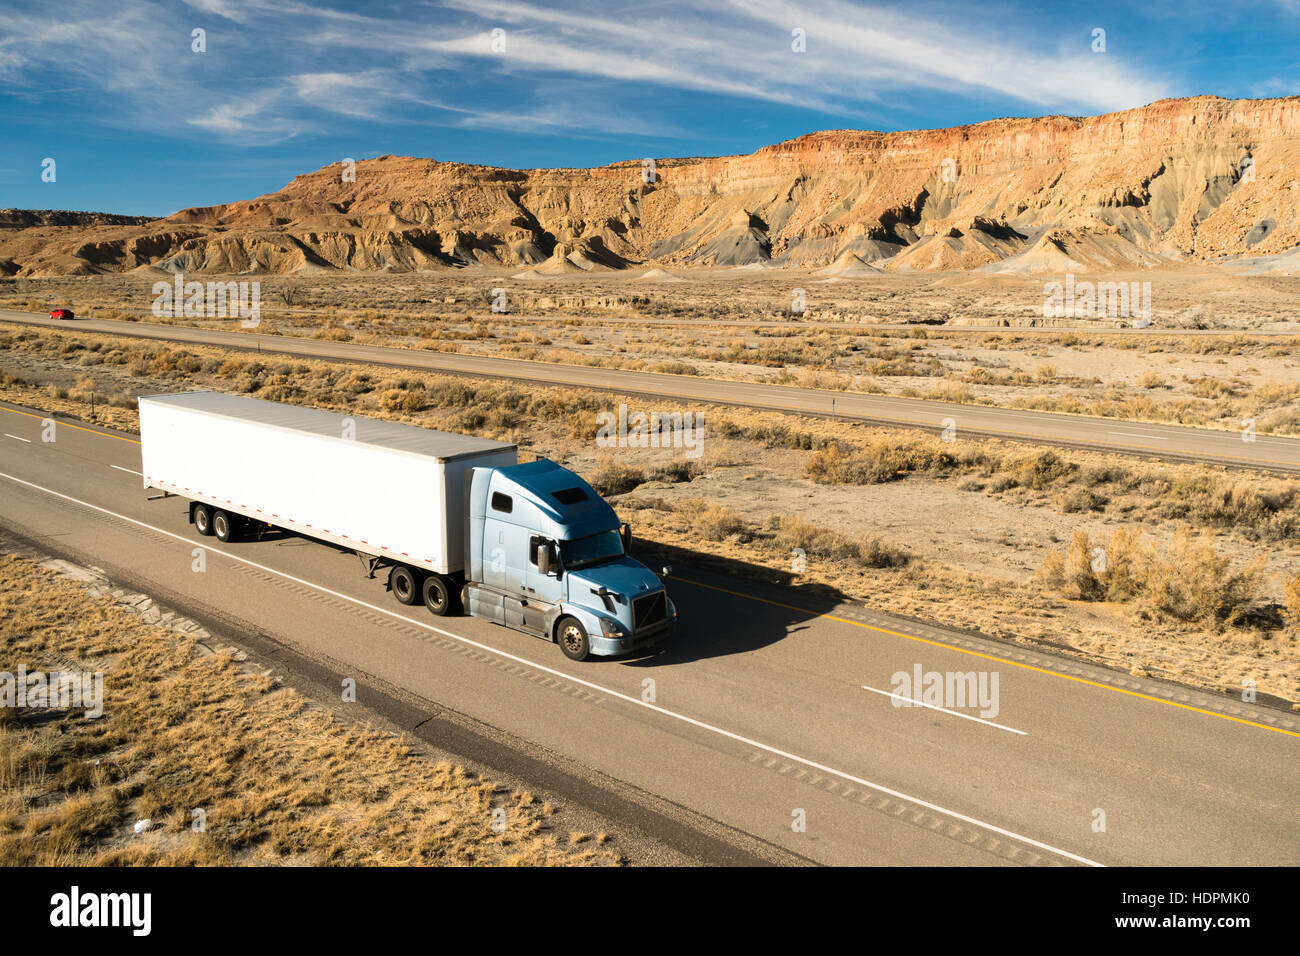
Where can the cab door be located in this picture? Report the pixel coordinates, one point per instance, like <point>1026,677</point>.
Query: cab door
<point>499,533</point>
<point>542,591</point>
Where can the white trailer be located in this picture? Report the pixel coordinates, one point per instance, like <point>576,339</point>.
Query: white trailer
<point>393,492</point>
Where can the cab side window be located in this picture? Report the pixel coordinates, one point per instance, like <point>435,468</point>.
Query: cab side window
<point>503,503</point>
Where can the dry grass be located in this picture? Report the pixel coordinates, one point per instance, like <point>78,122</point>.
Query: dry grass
<point>794,532</point>
<point>1187,580</point>
<point>613,476</point>
<point>562,423</point>
<point>1259,508</point>
<point>1291,597</point>
<point>280,780</point>
<point>452,313</point>
<point>786,535</point>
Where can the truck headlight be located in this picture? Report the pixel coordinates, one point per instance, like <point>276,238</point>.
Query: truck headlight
<point>611,628</point>
<point>672,608</point>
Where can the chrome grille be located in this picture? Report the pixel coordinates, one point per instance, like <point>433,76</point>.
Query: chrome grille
<point>649,609</point>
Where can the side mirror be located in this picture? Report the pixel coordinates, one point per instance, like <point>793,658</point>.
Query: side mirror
<point>625,532</point>
<point>544,559</point>
<point>666,571</point>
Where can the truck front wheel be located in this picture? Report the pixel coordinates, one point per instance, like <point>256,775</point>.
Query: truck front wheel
<point>572,638</point>
<point>401,581</point>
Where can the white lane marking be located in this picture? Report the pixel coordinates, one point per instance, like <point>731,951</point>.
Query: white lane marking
<point>1141,435</point>
<point>127,470</point>
<point>908,701</point>
<point>637,701</point>
<point>28,440</point>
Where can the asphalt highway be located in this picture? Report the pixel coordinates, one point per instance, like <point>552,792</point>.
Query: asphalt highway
<point>772,706</point>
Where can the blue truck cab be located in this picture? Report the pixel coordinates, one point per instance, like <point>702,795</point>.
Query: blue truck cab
<point>548,556</point>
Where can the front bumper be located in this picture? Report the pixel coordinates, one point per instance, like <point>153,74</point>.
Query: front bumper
<point>611,646</point>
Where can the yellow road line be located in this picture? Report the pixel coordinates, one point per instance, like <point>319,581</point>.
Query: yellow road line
<point>990,657</point>
<point>872,627</point>
<point>82,428</point>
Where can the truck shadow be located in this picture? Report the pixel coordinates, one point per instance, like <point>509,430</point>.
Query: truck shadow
<point>726,606</point>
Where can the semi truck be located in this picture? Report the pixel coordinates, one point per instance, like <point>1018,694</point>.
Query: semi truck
<point>457,521</point>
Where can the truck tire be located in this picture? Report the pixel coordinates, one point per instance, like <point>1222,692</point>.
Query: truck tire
<point>572,638</point>
<point>224,527</point>
<point>202,518</point>
<point>403,583</point>
<point>439,596</point>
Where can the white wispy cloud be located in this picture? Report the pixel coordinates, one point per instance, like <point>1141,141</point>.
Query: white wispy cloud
<point>278,69</point>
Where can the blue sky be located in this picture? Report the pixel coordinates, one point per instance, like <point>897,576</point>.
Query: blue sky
<point>138,122</point>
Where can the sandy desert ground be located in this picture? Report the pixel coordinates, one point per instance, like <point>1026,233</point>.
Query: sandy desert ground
<point>983,538</point>
<point>1221,348</point>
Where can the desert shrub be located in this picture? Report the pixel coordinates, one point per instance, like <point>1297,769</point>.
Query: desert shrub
<point>468,420</point>
<point>1268,511</point>
<point>614,477</point>
<point>1043,470</point>
<point>355,383</point>
<point>890,459</point>
<point>1188,580</point>
<point>815,541</point>
<point>279,392</point>
<point>1082,499</point>
<point>1291,598</point>
<point>676,471</point>
<point>779,435</point>
<point>1124,563</point>
<point>1075,573</point>
<point>715,522</point>
<point>876,552</point>
<point>836,464</point>
<point>403,400</point>
<point>1211,388</point>
<point>1105,475</point>
<point>1192,581</point>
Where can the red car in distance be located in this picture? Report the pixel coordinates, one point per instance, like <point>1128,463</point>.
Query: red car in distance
<point>61,314</point>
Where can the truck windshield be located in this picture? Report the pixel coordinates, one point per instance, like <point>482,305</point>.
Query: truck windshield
<point>593,549</point>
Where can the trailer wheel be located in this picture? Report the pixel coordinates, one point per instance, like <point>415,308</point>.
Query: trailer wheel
<point>402,582</point>
<point>223,526</point>
<point>572,638</point>
<point>438,596</point>
<point>202,518</point>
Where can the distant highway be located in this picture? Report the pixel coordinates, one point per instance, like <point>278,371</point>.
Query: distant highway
<point>1166,442</point>
<point>809,320</point>
<point>767,722</point>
